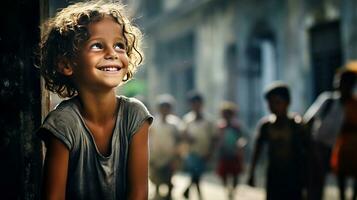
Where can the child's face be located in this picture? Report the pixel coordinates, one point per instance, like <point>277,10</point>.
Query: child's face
<point>347,88</point>
<point>227,114</point>
<point>102,61</point>
<point>278,105</point>
<point>165,109</point>
<point>196,105</point>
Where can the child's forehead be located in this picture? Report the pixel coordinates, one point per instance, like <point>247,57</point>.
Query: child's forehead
<point>276,97</point>
<point>105,25</point>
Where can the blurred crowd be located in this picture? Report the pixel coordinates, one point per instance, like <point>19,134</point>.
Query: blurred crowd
<point>302,148</point>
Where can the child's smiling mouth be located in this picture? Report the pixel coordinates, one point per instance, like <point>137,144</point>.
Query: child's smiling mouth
<point>110,68</point>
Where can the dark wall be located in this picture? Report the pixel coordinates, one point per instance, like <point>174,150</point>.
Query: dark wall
<point>20,161</point>
<point>326,55</point>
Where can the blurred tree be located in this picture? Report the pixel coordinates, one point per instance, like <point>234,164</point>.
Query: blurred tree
<point>134,88</point>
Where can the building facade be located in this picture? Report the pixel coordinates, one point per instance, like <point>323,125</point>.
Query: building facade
<point>231,49</point>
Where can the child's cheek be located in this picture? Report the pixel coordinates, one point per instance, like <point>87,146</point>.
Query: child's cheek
<point>125,60</point>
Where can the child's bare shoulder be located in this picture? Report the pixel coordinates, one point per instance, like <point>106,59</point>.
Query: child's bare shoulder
<point>268,119</point>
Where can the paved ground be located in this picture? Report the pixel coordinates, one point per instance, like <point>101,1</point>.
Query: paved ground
<point>213,190</point>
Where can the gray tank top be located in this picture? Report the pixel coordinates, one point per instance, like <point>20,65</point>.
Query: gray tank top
<point>90,174</point>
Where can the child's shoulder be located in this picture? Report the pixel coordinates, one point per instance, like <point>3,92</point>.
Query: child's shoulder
<point>189,117</point>
<point>271,119</point>
<point>65,106</point>
<point>129,99</point>
<point>134,113</point>
<point>132,102</point>
<point>296,118</point>
<point>266,120</point>
<point>222,124</point>
<point>173,119</point>
<point>64,111</point>
<point>134,107</point>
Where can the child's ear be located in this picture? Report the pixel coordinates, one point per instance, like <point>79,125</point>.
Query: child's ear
<point>65,67</point>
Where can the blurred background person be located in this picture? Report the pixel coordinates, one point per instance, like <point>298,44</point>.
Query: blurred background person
<point>343,159</point>
<point>230,147</point>
<point>164,139</point>
<point>199,134</point>
<point>284,135</point>
<point>324,119</point>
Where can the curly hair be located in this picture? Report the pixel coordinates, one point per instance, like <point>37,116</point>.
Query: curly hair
<point>64,34</point>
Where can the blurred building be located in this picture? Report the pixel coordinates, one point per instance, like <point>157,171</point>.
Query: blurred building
<point>231,49</point>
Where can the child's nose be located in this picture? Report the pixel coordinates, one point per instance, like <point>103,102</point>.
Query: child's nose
<point>111,54</point>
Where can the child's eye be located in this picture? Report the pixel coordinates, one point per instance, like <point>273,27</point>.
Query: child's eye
<point>120,46</point>
<point>96,46</point>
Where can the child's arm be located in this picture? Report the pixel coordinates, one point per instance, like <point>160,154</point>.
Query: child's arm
<point>55,170</point>
<point>256,155</point>
<point>259,142</point>
<point>138,164</point>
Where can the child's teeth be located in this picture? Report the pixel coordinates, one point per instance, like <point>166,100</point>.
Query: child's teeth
<point>110,69</point>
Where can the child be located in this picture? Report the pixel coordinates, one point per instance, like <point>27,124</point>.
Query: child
<point>97,142</point>
<point>164,140</point>
<point>343,161</point>
<point>230,147</point>
<point>325,119</point>
<point>199,132</point>
<point>285,137</point>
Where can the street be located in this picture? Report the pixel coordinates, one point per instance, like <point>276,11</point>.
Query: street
<point>212,189</point>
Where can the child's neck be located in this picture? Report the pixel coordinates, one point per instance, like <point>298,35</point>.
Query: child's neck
<point>163,118</point>
<point>281,118</point>
<point>199,115</point>
<point>228,121</point>
<point>98,108</point>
